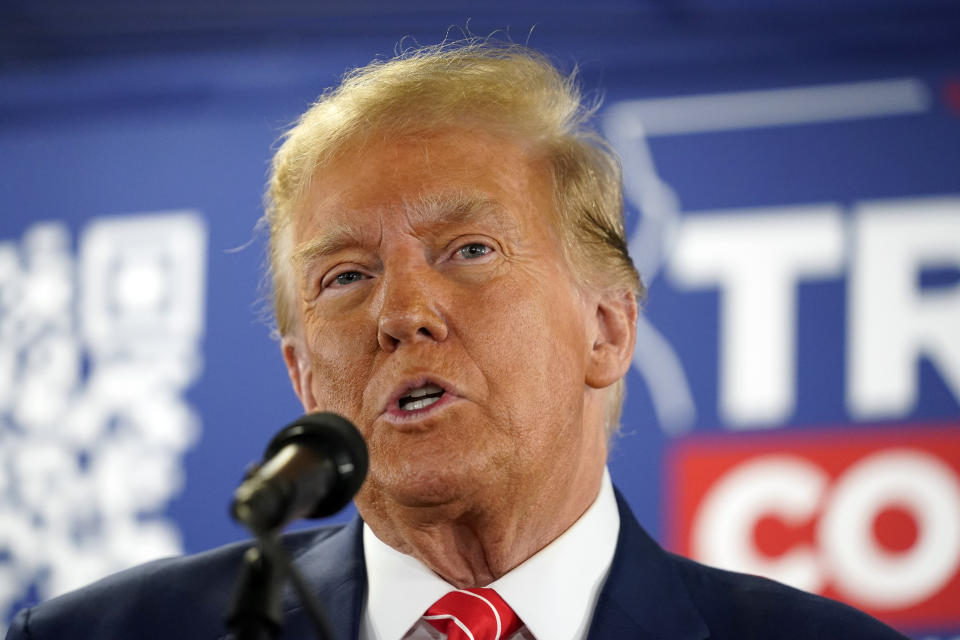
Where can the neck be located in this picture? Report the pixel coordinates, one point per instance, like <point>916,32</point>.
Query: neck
<point>470,544</point>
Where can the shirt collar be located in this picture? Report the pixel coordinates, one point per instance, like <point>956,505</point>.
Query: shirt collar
<point>554,591</point>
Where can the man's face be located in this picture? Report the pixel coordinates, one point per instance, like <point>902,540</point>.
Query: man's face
<point>437,312</point>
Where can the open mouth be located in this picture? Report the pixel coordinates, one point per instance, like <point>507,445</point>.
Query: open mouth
<point>420,398</point>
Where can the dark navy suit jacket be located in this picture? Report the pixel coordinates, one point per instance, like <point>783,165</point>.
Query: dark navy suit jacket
<point>649,594</point>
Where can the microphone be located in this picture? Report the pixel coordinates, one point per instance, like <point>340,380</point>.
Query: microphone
<point>312,468</point>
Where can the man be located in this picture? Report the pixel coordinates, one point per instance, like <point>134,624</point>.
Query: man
<point>451,274</point>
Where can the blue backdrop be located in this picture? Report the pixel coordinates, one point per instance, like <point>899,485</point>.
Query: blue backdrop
<point>794,203</point>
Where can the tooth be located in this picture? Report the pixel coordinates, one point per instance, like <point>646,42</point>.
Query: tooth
<point>424,390</point>
<point>413,405</point>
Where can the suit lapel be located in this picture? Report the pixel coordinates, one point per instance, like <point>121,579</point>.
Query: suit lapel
<point>334,567</point>
<point>643,596</point>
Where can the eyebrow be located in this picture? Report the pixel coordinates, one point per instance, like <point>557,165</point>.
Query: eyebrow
<point>325,245</point>
<point>456,208</point>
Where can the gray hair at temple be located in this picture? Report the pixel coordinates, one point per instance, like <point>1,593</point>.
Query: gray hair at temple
<point>503,88</point>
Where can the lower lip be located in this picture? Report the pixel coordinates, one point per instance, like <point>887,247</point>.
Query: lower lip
<point>397,415</point>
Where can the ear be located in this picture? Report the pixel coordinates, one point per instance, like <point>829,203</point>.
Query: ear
<point>614,338</point>
<point>298,368</point>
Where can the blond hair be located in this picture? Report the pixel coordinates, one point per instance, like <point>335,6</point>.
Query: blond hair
<point>503,88</point>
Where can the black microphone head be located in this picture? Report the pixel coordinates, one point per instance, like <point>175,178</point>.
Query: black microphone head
<point>335,436</point>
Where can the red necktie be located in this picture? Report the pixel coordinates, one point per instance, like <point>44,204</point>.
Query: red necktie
<point>473,614</point>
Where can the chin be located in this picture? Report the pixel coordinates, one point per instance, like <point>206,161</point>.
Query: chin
<point>426,488</point>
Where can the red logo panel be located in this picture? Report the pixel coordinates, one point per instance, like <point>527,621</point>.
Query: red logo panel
<point>867,516</point>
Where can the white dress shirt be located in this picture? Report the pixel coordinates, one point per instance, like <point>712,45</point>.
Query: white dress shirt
<point>554,592</point>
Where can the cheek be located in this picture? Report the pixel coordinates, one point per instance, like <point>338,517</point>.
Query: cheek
<point>340,359</point>
<point>537,315</point>
<point>532,347</point>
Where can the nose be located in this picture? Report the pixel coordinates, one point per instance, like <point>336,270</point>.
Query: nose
<point>409,310</point>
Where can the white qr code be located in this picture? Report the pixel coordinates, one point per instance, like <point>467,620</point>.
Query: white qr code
<point>98,343</point>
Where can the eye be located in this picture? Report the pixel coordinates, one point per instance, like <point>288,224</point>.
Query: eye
<point>344,278</point>
<point>473,250</point>
<point>348,277</point>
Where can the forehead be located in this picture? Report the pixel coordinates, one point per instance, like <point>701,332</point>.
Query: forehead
<point>454,210</point>
<point>448,176</point>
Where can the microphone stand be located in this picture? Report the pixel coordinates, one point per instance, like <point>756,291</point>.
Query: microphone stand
<point>312,468</point>
<point>255,611</point>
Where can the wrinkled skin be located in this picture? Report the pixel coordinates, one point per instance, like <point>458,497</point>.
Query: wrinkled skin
<point>434,260</point>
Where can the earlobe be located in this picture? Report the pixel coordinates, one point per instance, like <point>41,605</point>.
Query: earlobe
<point>616,332</point>
<point>298,368</point>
